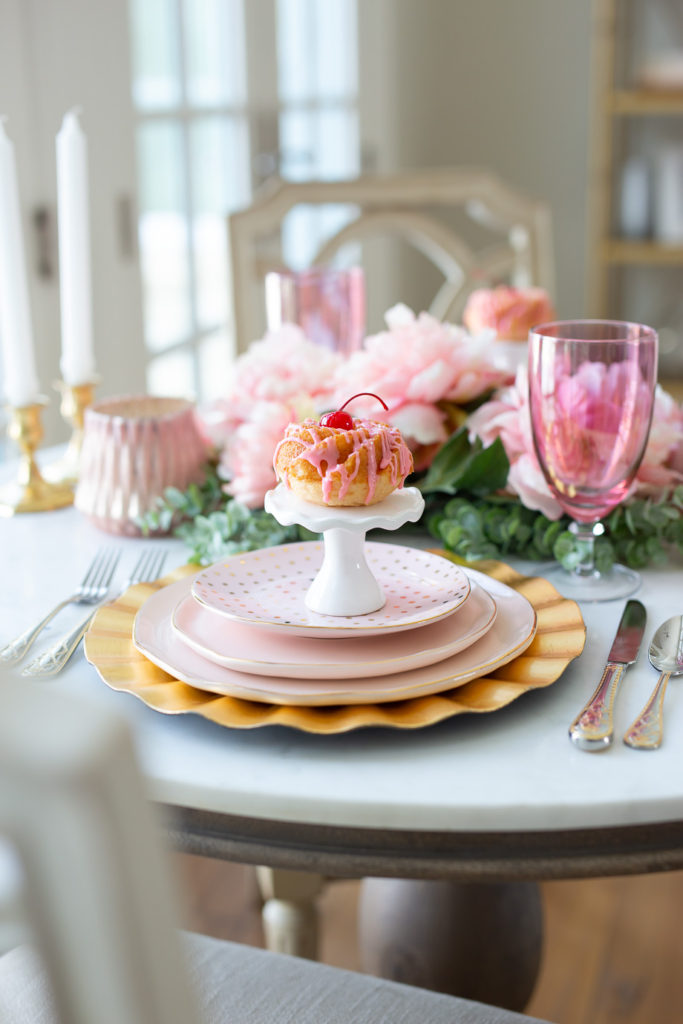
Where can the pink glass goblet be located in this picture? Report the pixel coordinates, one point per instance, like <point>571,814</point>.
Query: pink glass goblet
<point>328,305</point>
<point>591,393</point>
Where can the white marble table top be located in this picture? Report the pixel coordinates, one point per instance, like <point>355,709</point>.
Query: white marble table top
<point>512,769</point>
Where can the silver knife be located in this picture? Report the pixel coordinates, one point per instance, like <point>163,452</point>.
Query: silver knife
<point>592,729</point>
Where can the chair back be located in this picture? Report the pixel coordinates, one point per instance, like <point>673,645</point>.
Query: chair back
<point>98,891</point>
<point>514,234</point>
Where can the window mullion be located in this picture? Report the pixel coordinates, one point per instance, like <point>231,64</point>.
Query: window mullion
<point>184,115</point>
<point>260,29</point>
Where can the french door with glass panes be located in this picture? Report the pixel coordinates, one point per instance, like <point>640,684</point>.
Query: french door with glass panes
<point>227,93</point>
<point>55,56</point>
<point>188,105</point>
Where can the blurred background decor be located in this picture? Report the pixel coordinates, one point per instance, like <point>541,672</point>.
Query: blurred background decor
<point>327,304</point>
<point>461,402</point>
<point>190,108</point>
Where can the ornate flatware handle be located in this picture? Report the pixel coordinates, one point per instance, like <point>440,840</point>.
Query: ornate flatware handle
<point>55,658</point>
<point>647,731</point>
<point>592,729</point>
<point>15,650</point>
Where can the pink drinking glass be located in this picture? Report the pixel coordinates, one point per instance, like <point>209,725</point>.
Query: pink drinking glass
<point>328,305</point>
<point>591,393</point>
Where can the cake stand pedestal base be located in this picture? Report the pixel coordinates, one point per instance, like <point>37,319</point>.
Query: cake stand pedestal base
<point>345,584</point>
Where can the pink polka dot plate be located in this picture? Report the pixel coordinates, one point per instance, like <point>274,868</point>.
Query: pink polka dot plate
<point>267,588</point>
<point>268,653</point>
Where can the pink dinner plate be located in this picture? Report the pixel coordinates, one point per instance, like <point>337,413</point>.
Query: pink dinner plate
<point>267,588</point>
<point>266,653</point>
<point>511,633</point>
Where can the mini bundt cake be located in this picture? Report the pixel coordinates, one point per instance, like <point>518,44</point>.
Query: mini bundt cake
<point>340,460</point>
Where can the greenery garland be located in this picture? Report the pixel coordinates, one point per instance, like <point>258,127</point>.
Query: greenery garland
<point>465,511</point>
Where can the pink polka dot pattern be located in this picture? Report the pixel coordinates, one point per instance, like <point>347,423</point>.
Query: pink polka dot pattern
<point>267,588</point>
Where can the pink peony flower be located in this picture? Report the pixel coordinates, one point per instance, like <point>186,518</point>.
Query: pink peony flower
<point>247,459</point>
<point>526,479</point>
<point>283,367</point>
<point>662,465</point>
<point>596,422</point>
<point>415,364</point>
<point>510,312</point>
<point>506,416</point>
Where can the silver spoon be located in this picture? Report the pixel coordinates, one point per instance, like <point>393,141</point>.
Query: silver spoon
<point>666,654</point>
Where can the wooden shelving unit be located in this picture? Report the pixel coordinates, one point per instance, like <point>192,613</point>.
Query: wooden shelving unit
<point>622,252</point>
<point>615,103</point>
<point>644,103</point>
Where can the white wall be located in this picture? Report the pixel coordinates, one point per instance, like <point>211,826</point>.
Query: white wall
<point>54,56</point>
<point>16,105</point>
<point>501,84</point>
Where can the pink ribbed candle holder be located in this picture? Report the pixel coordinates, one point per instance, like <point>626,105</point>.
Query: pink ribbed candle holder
<point>133,448</point>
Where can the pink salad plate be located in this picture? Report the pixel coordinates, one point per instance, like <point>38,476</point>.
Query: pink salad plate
<point>511,633</point>
<point>244,649</point>
<point>267,588</point>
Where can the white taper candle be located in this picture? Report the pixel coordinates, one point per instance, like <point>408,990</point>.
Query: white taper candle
<point>78,358</point>
<point>20,382</point>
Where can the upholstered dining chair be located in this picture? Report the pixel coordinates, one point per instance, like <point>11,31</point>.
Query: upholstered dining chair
<point>102,905</point>
<point>512,234</point>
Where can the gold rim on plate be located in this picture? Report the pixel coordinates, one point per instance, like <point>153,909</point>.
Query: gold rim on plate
<point>559,639</point>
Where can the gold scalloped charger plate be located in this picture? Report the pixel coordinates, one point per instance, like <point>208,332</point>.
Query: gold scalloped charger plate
<point>559,638</point>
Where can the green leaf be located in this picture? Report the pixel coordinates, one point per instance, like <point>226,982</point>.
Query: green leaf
<point>604,555</point>
<point>564,550</point>
<point>485,471</point>
<point>175,498</point>
<point>546,541</point>
<point>447,463</point>
<point>462,465</point>
<point>150,522</point>
<point>165,519</point>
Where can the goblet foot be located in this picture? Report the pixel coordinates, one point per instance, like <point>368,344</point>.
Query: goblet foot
<point>619,581</point>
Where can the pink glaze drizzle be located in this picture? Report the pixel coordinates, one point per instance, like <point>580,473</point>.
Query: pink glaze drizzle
<point>324,452</point>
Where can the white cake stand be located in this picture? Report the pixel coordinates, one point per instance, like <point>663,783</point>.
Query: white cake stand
<point>345,584</point>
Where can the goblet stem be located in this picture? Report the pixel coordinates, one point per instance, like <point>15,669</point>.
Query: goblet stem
<point>585,581</point>
<point>585,534</point>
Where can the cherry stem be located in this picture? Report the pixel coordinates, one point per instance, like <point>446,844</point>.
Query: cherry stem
<point>360,394</point>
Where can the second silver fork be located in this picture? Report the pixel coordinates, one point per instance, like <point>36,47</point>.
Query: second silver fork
<point>147,568</point>
<point>92,589</point>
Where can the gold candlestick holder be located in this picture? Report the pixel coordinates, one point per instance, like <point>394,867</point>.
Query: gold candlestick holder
<point>75,399</point>
<point>30,492</point>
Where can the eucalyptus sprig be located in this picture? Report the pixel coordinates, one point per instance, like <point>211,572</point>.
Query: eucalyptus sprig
<point>232,529</point>
<point>213,525</point>
<point>176,506</point>
<point>479,524</point>
<point>465,511</point>
<point>474,527</point>
<point>645,530</point>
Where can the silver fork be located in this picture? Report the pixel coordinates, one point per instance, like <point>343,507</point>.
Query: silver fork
<point>92,588</point>
<point>148,567</point>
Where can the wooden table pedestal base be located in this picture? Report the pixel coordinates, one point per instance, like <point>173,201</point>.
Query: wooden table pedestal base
<point>479,941</point>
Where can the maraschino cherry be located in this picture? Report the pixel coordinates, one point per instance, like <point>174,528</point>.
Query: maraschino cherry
<point>340,420</point>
